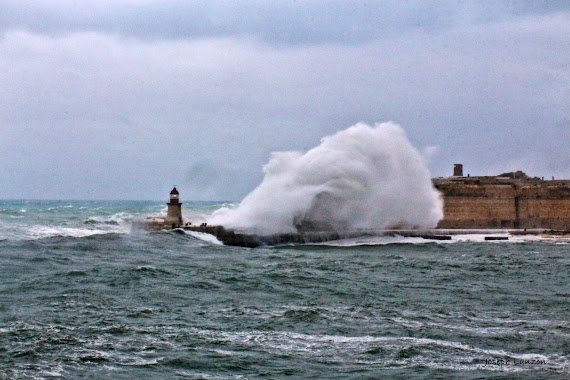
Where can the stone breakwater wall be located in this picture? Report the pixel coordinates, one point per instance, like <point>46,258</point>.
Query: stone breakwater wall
<point>235,238</point>
<point>491,202</point>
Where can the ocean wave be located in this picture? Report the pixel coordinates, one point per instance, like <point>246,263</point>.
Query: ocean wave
<point>361,177</point>
<point>12,213</point>
<point>107,344</point>
<point>41,232</point>
<point>204,237</point>
<point>399,351</point>
<point>36,232</point>
<point>120,218</point>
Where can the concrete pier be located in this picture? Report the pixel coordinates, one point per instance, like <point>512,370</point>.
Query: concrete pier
<point>231,237</point>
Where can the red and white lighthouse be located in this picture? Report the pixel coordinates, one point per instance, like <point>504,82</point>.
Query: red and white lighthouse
<point>174,213</point>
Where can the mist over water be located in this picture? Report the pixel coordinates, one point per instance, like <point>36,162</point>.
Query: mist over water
<point>363,177</point>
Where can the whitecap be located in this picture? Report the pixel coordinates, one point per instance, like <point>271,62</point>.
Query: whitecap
<point>119,217</point>
<point>204,237</point>
<point>40,232</point>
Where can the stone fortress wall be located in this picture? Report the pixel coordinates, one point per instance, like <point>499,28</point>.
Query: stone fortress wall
<point>511,200</point>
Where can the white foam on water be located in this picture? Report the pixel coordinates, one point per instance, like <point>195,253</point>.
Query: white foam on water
<point>466,357</point>
<point>511,238</point>
<point>40,232</point>
<point>375,240</point>
<point>204,237</point>
<point>51,370</point>
<point>122,219</point>
<point>136,361</point>
<point>490,331</point>
<point>480,238</point>
<point>361,178</point>
<point>459,238</point>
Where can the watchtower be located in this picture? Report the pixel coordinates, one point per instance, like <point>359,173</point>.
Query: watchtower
<point>458,170</point>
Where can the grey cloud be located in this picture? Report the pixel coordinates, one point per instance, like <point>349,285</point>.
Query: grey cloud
<point>95,115</point>
<point>274,22</point>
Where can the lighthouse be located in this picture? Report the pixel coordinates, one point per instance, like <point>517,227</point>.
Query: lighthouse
<point>174,213</point>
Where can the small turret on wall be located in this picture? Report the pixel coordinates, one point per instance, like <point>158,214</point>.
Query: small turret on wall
<point>174,213</point>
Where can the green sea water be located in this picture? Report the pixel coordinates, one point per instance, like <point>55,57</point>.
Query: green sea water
<point>84,297</point>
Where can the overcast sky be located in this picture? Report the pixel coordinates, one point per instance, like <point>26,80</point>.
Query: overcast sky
<point>121,99</point>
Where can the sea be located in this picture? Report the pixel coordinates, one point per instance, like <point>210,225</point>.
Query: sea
<point>84,296</point>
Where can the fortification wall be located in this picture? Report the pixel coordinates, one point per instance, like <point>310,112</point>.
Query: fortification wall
<point>485,202</point>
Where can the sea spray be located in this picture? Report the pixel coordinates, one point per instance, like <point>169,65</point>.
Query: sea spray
<point>360,178</point>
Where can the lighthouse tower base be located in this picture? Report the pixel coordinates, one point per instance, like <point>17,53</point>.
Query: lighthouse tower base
<point>174,215</point>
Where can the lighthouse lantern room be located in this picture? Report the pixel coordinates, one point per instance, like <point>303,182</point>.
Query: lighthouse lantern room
<point>174,196</point>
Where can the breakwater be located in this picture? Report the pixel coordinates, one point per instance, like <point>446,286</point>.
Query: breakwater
<point>234,238</point>
<point>511,203</point>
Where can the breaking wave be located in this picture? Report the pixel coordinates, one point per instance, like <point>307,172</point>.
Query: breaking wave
<point>41,232</point>
<point>69,226</point>
<point>118,219</point>
<point>204,237</point>
<point>363,177</point>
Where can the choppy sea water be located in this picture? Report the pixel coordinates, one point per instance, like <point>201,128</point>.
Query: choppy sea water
<point>83,297</point>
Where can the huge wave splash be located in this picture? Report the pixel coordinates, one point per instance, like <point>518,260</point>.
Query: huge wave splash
<point>363,177</point>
